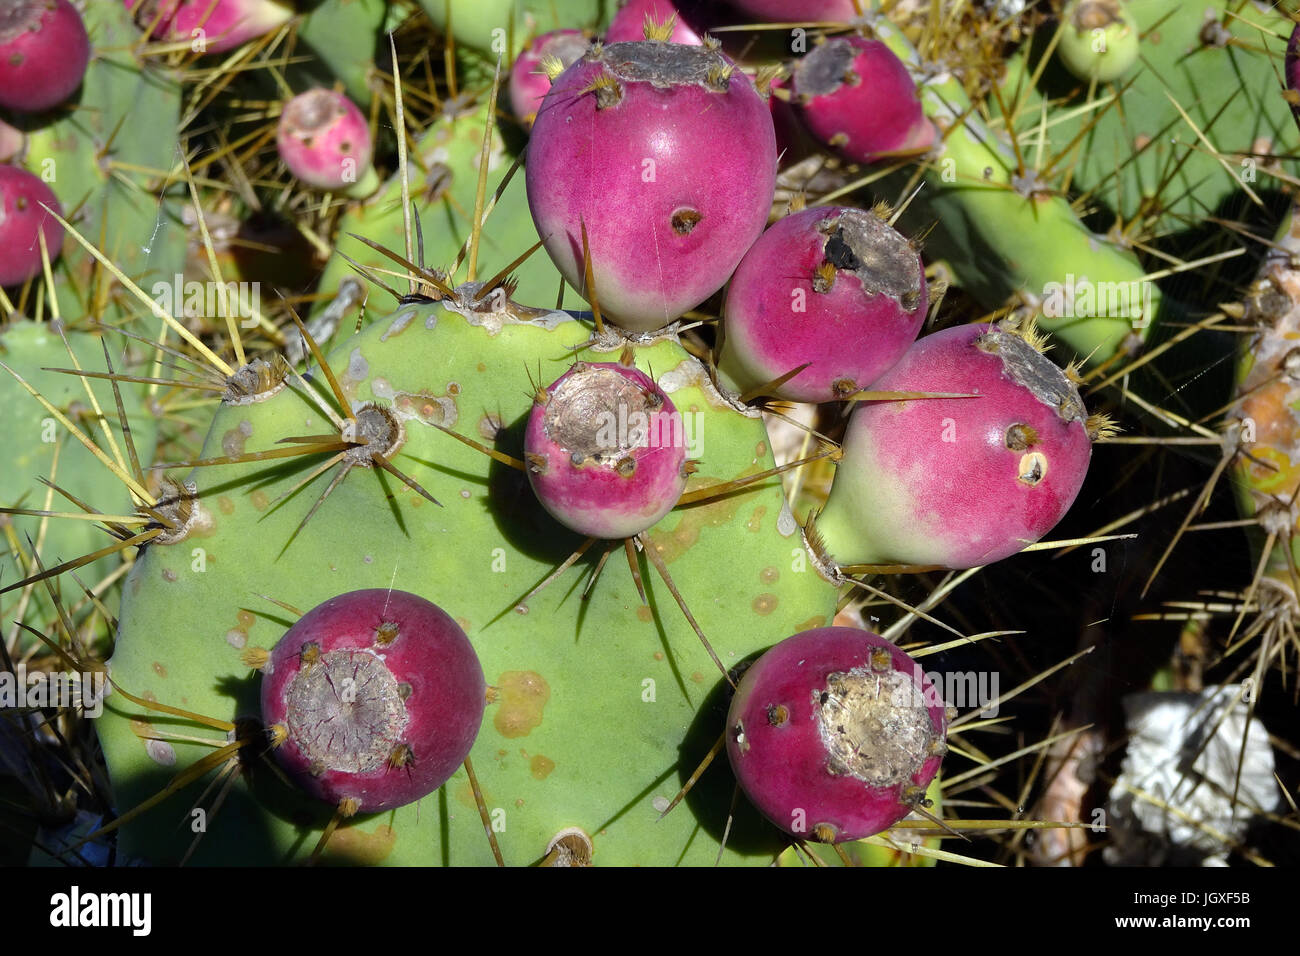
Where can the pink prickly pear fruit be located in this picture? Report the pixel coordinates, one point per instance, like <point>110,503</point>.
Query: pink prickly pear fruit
<point>668,157</point>
<point>629,24</point>
<point>834,288</point>
<point>834,734</point>
<point>801,11</point>
<point>529,79</point>
<point>325,141</point>
<point>606,451</point>
<point>958,482</point>
<point>152,16</point>
<point>21,220</point>
<point>858,98</point>
<point>223,25</point>
<point>44,51</point>
<point>373,697</point>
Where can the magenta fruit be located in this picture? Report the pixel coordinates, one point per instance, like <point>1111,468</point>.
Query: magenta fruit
<point>225,24</point>
<point>376,697</point>
<point>832,286</point>
<point>958,482</point>
<point>325,141</point>
<point>529,80</point>
<point>834,734</point>
<point>21,219</point>
<point>44,51</point>
<point>668,157</point>
<point>857,97</point>
<point>628,25</point>
<point>606,450</point>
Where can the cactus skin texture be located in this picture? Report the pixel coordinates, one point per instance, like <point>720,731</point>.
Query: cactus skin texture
<point>190,609</point>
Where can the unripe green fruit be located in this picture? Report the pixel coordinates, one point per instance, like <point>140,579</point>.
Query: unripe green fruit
<point>1099,40</point>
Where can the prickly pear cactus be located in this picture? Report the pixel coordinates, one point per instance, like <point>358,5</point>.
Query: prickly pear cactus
<point>1105,171</point>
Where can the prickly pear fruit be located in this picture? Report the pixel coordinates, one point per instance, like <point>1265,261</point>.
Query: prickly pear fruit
<point>606,450</point>
<point>857,97</point>
<point>668,158</point>
<point>629,24</point>
<point>225,24</point>
<point>324,140</point>
<point>528,78</point>
<point>377,696</point>
<point>1099,40</point>
<point>834,734</point>
<point>43,53</point>
<point>958,482</point>
<point>835,287</point>
<point>21,217</point>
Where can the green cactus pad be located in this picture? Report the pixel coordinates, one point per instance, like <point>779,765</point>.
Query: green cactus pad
<point>31,436</point>
<point>601,708</point>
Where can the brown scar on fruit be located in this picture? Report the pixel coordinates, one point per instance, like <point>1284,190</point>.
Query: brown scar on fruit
<point>523,696</point>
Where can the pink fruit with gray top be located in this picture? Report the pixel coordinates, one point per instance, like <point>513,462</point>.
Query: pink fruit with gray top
<point>44,51</point>
<point>834,734</point>
<point>858,98</point>
<point>324,140</point>
<point>958,482</point>
<point>376,697</point>
<point>21,221</point>
<point>831,286</point>
<point>528,79</point>
<point>606,450</point>
<point>667,154</point>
